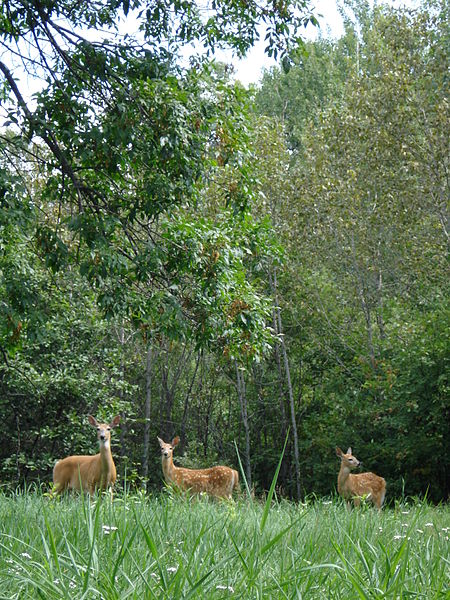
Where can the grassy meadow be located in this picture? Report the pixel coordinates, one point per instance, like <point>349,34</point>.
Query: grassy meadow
<point>170,547</point>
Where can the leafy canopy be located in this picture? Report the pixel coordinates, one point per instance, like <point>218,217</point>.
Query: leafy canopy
<point>117,142</point>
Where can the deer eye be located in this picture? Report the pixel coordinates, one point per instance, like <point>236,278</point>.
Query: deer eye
<point>108,428</point>
<point>98,428</point>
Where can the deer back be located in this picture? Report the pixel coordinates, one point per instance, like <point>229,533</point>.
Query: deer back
<point>219,481</point>
<point>356,486</point>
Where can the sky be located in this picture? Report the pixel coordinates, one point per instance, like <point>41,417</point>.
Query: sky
<point>249,70</point>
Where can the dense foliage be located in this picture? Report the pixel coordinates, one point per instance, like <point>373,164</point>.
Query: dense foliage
<point>366,223</point>
<point>221,269</point>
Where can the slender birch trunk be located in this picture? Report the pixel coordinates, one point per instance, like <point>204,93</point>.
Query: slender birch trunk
<point>186,405</point>
<point>147,412</point>
<point>123,424</point>
<point>240,385</point>
<point>287,372</point>
<point>281,392</point>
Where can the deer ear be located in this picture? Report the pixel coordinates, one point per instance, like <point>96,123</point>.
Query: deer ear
<point>93,421</point>
<point>115,421</point>
<point>349,451</point>
<point>338,451</point>
<point>161,442</point>
<point>176,441</point>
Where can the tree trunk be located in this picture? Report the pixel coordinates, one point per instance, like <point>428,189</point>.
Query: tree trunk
<point>169,385</point>
<point>380,321</point>
<point>281,392</point>
<point>147,412</point>
<point>365,306</point>
<point>287,372</point>
<point>123,423</point>
<point>240,385</point>
<point>166,423</point>
<point>186,405</point>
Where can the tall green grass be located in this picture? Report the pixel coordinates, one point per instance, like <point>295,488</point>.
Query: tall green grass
<point>169,547</point>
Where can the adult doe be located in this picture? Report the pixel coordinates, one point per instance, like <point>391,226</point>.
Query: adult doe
<point>355,487</point>
<point>216,481</point>
<point>88,473</point>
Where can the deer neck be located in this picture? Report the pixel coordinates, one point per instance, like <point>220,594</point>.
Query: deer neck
<point>168,468</point>
<point>106,459</point>
<point>344,474</point>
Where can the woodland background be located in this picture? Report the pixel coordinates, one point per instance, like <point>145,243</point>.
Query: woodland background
<point>221,263</point>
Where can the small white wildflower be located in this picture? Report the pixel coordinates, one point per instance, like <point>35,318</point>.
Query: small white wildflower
<point>56,581</point>
<point>107,529</point>
<point>429,525</point>
<point>154,575</point>
<point>405,512</point>
<point>9,561</point>
<point>327,502</point>
<point>398,537</point>
<point>72,584</point>
<point>25,555</point>
<point>380,529</point>
<point>419,530</point>
<point>445,529</point>
<point>172,569</point>
<point>405,525</point>
<point>228,588</point>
